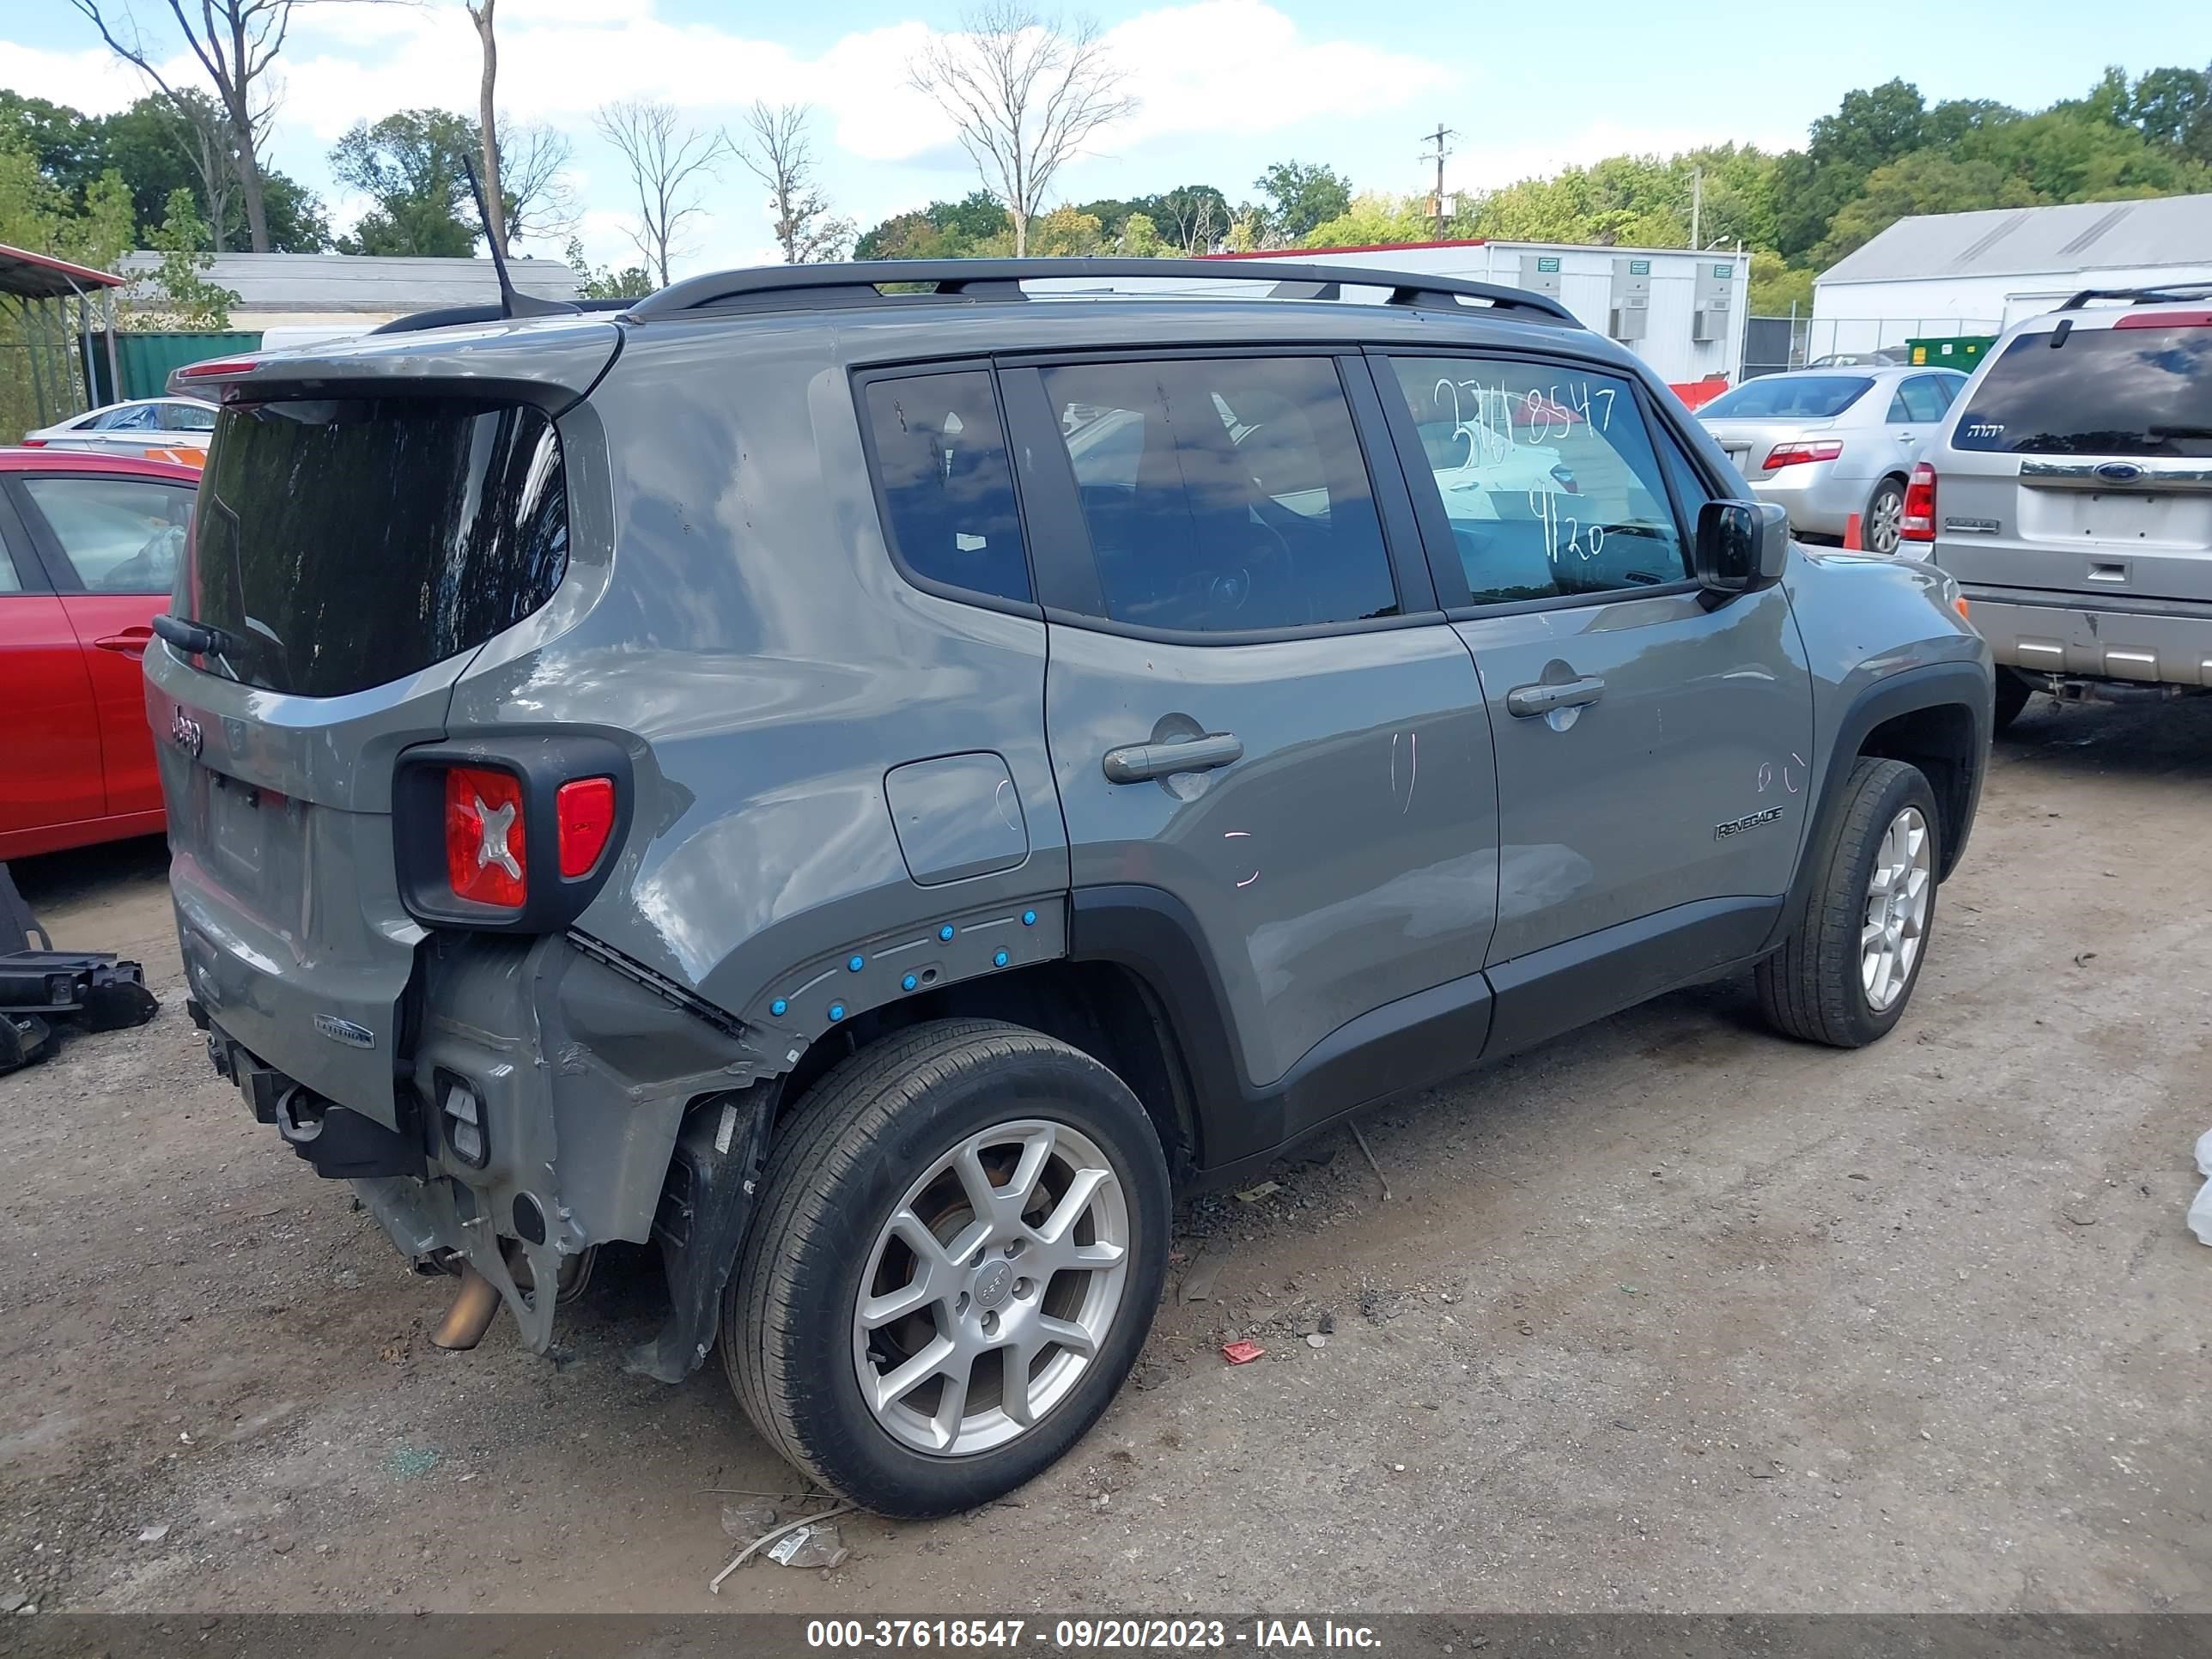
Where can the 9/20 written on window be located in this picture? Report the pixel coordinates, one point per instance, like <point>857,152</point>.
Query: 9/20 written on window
<point>1548,475</point>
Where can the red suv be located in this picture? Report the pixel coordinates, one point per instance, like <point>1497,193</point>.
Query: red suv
<point>88,552</point>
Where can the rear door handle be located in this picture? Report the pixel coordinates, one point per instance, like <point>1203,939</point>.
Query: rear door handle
<point>1530,701</point>
<point>1136,762</point>
<point>132,641</point>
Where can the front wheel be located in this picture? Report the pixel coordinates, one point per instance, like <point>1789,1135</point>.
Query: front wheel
<point>960,1245</point>
<point>1848,968</point>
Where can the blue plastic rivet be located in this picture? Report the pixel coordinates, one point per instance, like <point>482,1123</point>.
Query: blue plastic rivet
<point>1029,917</point>
<point>836,1011</point>
<point>778,1007</point>
<point>909,982</point>
<point>856,964</point>
<point>945,932</point>
<point>1000,960</point>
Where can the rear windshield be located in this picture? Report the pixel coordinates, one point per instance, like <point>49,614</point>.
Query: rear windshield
<point>1802,397</point>
<point>348,543</point>
<point>2104,392</point>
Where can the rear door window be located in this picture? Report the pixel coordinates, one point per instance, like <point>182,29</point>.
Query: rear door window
<point>347,543</point>
<point>1922,399</point>
<point>939,451</point>
<point>2137,389</point>
<point>119,535</point>
<point>1222,494</point>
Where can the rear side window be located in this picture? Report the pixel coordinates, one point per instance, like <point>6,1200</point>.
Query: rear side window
<point>120,535</point>
<point>187,417</point>
<point>1222,494</point>
<point>2123,390</point>
<point>1802,397</point>
<point>347,543</point>
<point>948,490</point>
<point>1922,399</point>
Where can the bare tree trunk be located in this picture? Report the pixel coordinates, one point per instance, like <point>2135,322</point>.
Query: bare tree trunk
<point>487,125</point>
<point>249,180</point>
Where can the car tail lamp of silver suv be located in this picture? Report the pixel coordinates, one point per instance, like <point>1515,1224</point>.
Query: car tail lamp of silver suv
<point>1919,521</point>
<point>512,835</point>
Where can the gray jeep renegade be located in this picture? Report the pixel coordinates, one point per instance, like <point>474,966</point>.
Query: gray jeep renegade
<point>860,777</point>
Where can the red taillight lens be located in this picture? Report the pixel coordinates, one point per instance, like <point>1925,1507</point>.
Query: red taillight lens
<point>218,366</point>
<point>584,811</point>
<point>1798,454</point>
<point>2166,320</point>
<point>484,837</point>
<point>1919,525</point>
<point>31,443</point>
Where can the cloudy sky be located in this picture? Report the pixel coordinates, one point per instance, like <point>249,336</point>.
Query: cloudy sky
<point>1226,86</point>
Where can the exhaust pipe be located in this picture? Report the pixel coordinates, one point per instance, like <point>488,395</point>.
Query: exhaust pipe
<point>475,1306</point>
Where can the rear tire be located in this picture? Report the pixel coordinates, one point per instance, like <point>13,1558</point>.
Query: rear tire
<point>1828,983</point>
<point>2013,693</point>
<point>874,1257</point>
<point>1885,517</point>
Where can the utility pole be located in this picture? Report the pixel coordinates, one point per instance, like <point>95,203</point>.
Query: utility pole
<point>1697,207</point>
<point>1437,138</point>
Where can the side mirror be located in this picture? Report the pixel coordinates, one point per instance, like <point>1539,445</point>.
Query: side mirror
<point>1742,546</point>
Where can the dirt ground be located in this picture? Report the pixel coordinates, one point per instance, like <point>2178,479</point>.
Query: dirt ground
<point>1670,1315</point>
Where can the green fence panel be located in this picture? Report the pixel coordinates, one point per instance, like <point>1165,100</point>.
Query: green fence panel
<point>145,360</point>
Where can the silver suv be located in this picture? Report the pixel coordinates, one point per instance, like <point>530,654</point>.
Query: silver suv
<point>2071,494</point>
<point>857,777</point>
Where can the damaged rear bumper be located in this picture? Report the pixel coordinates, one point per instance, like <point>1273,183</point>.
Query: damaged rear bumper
<point>542,1102</point>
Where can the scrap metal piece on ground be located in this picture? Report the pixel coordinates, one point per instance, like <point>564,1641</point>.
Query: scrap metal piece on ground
<point>95,987</point>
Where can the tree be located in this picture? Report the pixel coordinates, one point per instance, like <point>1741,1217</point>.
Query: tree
<point>1299,197</point>
<point>1192,217</point>
<point>1026,93</point>
<point>235,42</point>
<point>1372,219</point>
<point>666,161</point>
<point>777,151</point>
<point>629,283</point>
<point>182,298</point>
<point>411,164</point>
<point>2168,104</point>
<point>1065,232</point>
<point>1925,181</point>
<point>1139,239</point>
<point>974,218</point>
<point>495,212</point>
<point>536,202</point>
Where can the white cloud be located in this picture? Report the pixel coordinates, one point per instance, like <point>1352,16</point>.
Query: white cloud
<point>95,80</point>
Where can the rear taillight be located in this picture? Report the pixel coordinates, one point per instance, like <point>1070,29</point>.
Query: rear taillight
<point>1798,454</point>
<point>2165,319</point>
<point>584,812</point>
<point>31,443</point>
<point>486,837</point>
<point>1919,522</point>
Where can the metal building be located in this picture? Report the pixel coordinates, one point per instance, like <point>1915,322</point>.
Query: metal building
<point>1943,274</point>
<point>1682,312</point>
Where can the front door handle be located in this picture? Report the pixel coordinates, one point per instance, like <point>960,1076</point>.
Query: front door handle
<point>1135,763</point>
<point>132,641</point>
<point>1530,700</point>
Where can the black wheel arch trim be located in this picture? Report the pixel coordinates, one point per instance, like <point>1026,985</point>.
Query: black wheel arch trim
<point>1966,684</point>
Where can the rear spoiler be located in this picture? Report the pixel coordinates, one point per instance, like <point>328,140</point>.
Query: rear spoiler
<point>551,362</point>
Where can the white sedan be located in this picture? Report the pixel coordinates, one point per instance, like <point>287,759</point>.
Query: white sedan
<point>133,428</point>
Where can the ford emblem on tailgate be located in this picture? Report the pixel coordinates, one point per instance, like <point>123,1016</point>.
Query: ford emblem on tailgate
<point>345,1031</point>
<point>184,733</point>
<point>2118,472</point>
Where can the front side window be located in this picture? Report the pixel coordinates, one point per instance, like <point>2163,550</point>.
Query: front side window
<point>1222,494</point>
<point>120,535</point>
<point>948,490</point>
<point>1548,475</point>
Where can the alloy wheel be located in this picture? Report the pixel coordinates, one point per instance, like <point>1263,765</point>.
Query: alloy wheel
<point>991,1288</point>
<point>1896,908</point>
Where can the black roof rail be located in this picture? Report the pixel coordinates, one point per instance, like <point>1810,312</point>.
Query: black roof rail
<point>2172,291</point>
<point>451,316</point>
<point>787,288</point>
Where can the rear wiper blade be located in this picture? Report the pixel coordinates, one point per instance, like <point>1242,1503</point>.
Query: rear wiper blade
<point>198,639</point>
